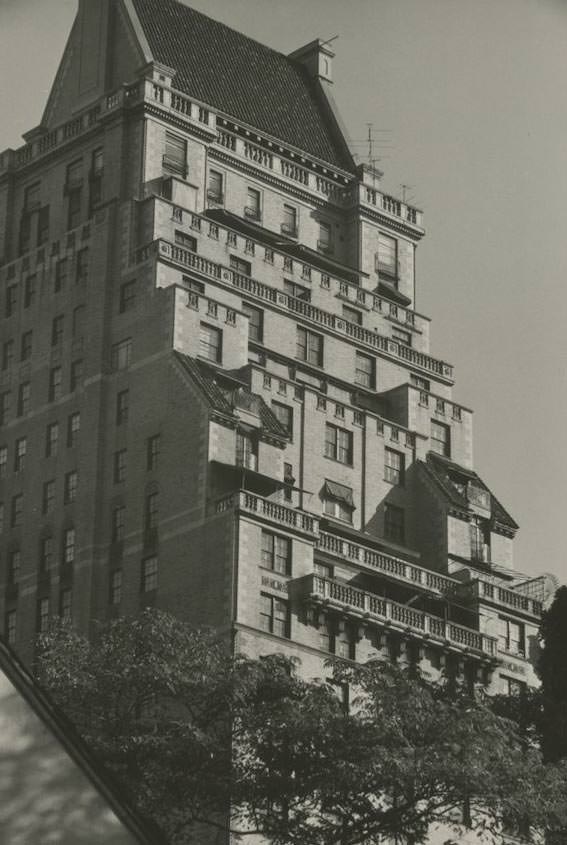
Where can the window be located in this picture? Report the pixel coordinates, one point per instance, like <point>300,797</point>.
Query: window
<point>118,523</point>
<point>338,501</point>
<point>394,466</point>
<point>185,240</point>
<point>324,242</point>
<point>3,461</point>
<point>240,265</point>
<point>57,330</point>
<point>69,545</point>
<point>215,190</point>
<point>73,429</point>
<point>440,438</point>
<point>252,207</point>
<point>480,539</point>
<point>17,510</point>
<point>26,346</point>
<point>276,553</point>
<point>422,383</point>
<point>29,291</point>
<point>11,300</point>
<point>274,616</point>
<point>326,636</point>
<point>96,177</point>
<point>284,413</point>
<point>51,439</point>
<point>78,321</point>
<point>127,296</point>
<point>394,523</point>
<point>402,336</point>
<point>14,566</point>
<point>76,375</point>
<point>298,291</point>
<point>246,450</point>
<point>338,444</point>
<point>32,198</point>
<point>152,512</point>
<point>309,347</point>
<point>337,509</point>
<point>20,454</point>
<point>74,177</point>
<point>352,315</point>
<point>7,354</point>
<point>323,570</point>
<point>116,586</point>
<point>43,225</point>
<point>10,627</point>
<point>210,343</point>
<point>42,615</point>
<point>511,636</point>
<point>48,498</point>
<point>289,481</point>
<point>149,574</point>
<point>5,405</point>
<point>61,270</point>
<point>175,156</point>
<point>289,224</point>
<point>512,687</point>
<point>344,644</point>
<point>122,405</point>
<point>152,454</point>
<point>119,473</point>
<point>73,207</point>
<point>387,256</point>
<point>255,322</point>
<point>46,554</point>
<point>24,398</point>
<point>25,232</point>
<point>365,370</point>
<point>71,486</point>
<point>121,354</point>
<point>82,269</point>
<point>66,605</point>
<point>55,384</point>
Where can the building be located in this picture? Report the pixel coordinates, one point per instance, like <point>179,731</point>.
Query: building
<point>52,789</point>
<point>216,394</point>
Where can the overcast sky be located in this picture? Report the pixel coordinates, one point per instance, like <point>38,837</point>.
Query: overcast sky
<point>468,105</point>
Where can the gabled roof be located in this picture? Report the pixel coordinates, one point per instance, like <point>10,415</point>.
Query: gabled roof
<point>242,78</point>
<point>448,476</point>
<point>225,393</point>
<point>63,733</point>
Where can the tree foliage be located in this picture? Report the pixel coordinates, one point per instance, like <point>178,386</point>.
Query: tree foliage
<point>192,730</point>
<point>553,673</point>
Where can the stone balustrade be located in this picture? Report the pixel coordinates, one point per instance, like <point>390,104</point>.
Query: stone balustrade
<point>367,606</point>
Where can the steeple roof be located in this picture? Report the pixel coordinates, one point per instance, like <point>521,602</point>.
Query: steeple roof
<point>242,78</point>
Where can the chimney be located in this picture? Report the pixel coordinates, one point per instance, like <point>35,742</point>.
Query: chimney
<point>317,58</point>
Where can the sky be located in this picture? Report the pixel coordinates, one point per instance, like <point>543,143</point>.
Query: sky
<point>468,109</point>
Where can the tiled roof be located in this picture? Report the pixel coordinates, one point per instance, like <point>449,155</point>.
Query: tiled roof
<point>225,393</point>
<point>241,77</point>
<point>447,474</point>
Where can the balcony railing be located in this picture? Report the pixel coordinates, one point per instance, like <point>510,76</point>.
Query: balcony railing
<point>482,589</point>
<point>391,566</point>
<point>367,606</point>
<point>251,213</point>
<point>273,511</point>
<point>307,311</point>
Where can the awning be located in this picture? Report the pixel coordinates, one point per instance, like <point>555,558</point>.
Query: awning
<point>338,492</point>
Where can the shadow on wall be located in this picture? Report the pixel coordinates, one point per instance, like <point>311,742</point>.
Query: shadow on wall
<point>44,797</point>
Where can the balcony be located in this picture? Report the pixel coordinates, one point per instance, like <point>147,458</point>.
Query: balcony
<point>305,310</point>
<point>399,617</point>
<point>484,590</point>
<point>274,512</point>
<point>393,567</point>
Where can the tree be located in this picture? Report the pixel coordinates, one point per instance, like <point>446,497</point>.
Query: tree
<point>553,673</point>
<point>192,731</point>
